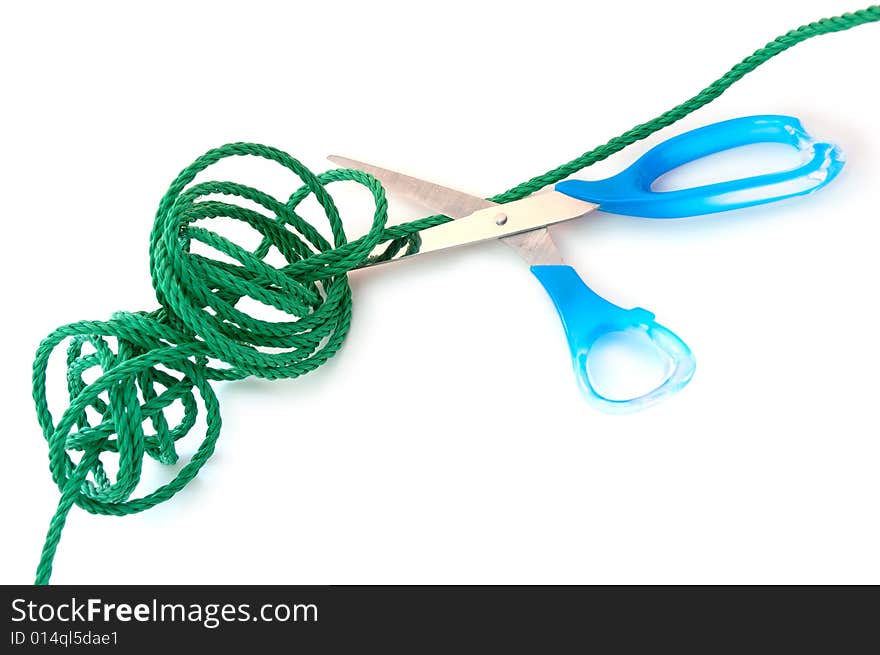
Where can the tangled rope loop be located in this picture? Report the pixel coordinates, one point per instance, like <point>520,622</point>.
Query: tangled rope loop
<point>145,363</point>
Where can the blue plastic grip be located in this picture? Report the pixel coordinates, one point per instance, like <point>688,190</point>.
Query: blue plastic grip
<point>586,317</point>
<point>629,192</point>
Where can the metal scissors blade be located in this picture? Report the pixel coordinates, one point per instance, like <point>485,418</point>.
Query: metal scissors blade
<point>449,202</point>
<point>520,224</point>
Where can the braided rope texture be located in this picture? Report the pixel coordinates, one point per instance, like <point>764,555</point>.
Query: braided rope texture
<point>147,362</point>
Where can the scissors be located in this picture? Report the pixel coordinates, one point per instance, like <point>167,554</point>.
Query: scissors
<point>586,316</point>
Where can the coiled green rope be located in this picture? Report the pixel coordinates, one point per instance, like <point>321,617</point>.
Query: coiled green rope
<point>149,361</point>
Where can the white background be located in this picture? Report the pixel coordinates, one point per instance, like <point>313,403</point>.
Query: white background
<point>447,441</point>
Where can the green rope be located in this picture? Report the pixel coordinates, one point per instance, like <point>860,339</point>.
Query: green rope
<point>148,362</point>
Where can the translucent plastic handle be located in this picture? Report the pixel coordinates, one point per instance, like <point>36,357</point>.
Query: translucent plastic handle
<point>629,192</point>
<point>587,317</point>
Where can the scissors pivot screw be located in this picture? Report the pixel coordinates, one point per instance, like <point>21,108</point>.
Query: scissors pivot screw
<point>501,219</point>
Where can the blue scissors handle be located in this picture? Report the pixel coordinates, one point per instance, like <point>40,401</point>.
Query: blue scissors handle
<point>587,317</point>
<point>630,193</point>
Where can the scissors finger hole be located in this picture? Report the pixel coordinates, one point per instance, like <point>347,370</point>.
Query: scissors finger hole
<point>626,364</point>
<point>732,164</point>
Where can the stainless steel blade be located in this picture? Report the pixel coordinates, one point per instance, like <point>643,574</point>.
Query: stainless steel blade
<point>441,199</point>
<point>503,221</point>
<point>535,246</point>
